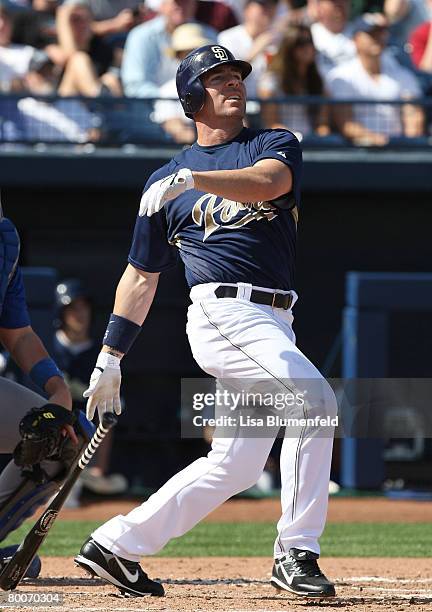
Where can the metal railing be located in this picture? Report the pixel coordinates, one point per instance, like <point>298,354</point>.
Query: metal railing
<point>108,121</point>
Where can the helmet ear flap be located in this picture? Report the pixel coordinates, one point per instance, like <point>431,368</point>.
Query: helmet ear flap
<point>187,104</point>
<point>194,97</point>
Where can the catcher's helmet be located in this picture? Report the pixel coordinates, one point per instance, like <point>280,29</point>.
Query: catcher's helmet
<point>189,87</point>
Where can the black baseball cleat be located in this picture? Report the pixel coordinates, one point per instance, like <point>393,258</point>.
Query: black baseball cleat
<point>128,576</point>
<point>299,573</point>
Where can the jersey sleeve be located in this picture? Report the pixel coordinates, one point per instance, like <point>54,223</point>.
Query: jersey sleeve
<point>283,146</point>
<point>150,250</point>
<point>15,313</point>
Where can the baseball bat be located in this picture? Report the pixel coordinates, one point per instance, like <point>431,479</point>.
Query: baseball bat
<point>14,571</point>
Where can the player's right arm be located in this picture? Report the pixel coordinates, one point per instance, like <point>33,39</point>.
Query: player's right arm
<point>150,254</point>
<point>134,296</point>
<point>135,293</point>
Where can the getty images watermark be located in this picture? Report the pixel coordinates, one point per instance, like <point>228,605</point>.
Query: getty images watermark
<point>254,408</point>
<point>233,400</point>
<point>269,420</point>
<point>238,402</point>
<point>394,409</point>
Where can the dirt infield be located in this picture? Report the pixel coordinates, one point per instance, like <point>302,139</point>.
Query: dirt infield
<point>341,510</point>
<point>241,584</point>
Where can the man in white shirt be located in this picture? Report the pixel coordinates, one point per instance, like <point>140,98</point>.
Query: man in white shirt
<point>253,39</point>
<point>331,34</point>
<point>374,75</point>
<point>14,59</point>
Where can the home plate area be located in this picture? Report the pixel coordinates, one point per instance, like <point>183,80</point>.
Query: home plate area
<point>241,584</point>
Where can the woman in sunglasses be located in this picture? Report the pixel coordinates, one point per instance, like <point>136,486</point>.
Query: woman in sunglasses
<point>293,72</point>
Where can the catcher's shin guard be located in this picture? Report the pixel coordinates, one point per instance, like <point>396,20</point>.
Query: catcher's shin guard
<point>36,487</point>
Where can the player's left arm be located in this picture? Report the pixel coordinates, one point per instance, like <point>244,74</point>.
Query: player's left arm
<point>29,353</point>
<point>25,346</point>
<point>27,350</point>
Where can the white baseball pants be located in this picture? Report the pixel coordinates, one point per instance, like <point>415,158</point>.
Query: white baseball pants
<point>237,339</point>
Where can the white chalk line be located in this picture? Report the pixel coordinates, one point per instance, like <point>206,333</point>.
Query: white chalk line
<point>232,581</point>
<point>386,579</point>
<point>404,594</point>
<point>418,593</point>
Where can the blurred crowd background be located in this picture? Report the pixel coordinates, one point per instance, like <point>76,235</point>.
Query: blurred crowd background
<point>103,71</point>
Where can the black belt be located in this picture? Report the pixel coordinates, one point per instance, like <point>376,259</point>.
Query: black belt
<point>275,300</point>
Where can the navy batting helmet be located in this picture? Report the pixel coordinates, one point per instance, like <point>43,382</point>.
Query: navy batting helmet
<point>189,87</point>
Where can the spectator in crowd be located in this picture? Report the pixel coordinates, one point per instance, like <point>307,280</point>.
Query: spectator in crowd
<point>57,120</point>
<point>252,39</point>
<point>42,76</point>
<point>216,13</point>
<point>87,57</point>
<point>102,10</point>
<point>147,64</point>
<point>403,16</point>
<point>168,112</point>
<point>36,26</point>
<point>359,7</point>
<point>331,36</point>
<point>112,17</point>
<point>14,59</point>
<point>293,72</point>
<point>75,353</point>
<point>421,44</point>
<point>376,76</point>
<point>34,120</point>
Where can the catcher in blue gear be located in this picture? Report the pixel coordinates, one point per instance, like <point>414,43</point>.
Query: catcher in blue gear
<point>41,430</point>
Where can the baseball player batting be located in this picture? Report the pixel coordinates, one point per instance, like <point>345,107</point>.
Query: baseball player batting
<point>228,206</point>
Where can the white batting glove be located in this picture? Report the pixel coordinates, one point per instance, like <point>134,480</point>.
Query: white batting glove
<point>161,192</point>
<point>104,388</point>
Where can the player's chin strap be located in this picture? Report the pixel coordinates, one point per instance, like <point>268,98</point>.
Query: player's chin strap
<point>37,488</point>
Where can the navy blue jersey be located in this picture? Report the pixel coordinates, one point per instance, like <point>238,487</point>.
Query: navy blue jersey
<point>220,240</point>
